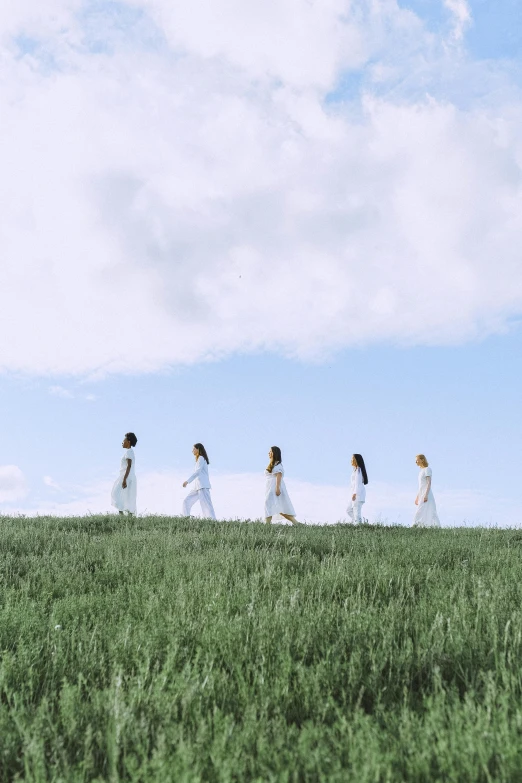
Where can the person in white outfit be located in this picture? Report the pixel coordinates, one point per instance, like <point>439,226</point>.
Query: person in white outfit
<point>426,514</point>
<point>358,486</point>
<point>123,495</point>
<point>277,500</point>
<point>202,487</point>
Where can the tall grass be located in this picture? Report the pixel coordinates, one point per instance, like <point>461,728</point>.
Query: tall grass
<point>161,649</point>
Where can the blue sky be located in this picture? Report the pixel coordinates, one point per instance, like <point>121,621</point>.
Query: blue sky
<point>214,238</point>
<point>495,32</point>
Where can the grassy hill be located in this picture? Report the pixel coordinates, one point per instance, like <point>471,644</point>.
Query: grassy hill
<point>163,649</point>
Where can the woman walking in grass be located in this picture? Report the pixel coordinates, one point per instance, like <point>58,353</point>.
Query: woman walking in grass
<point>277,500</point>
<point>426,514</point>
<point>359,481</point>
<point>123,495</point>
<point>202,487</point>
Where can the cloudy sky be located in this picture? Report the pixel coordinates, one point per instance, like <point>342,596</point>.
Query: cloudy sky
<point>275,222</point>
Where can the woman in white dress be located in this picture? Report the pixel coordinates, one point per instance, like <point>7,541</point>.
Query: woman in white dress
<point>123,494</point>
<point>277,500</point>
<point>201,491</point>
<point>359,481</point>
<point>426,514</point>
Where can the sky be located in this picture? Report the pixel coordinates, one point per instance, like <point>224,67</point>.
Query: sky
<point>280,223</point>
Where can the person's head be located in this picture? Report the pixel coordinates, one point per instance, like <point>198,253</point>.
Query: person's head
<point>200,451</point>
<point>358,462</point>
<point>421,461</point>
<point>274,455</point>
<point>129,441</point>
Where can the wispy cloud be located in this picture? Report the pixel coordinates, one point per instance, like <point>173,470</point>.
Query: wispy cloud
<point>50,482</point>
<point>462,18</point>
<point>67,394</point>
<point>13,484</point>
<point>60,391</point>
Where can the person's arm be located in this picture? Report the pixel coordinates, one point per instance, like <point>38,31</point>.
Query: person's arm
<point>278,483</point>
<point>197,472</point>
<point>428,487</point>
<point>358,484</point>
<point>124,482</point>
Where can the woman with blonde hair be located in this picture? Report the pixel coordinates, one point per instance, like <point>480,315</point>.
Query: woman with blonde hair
<point>277,500</point>
<point>426,514</point>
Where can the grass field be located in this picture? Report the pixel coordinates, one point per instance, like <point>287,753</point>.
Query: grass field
<point>192,651</point>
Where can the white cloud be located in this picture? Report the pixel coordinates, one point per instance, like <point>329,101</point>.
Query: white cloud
<point>241,496</point>
<point>303,44</point>
<point>13,485</point>
<point>178,195</point>
<point>31,18</point>
<point>67,394</point>
<point>461,16</point>
<point>50,482</point>
<point>60,391</point>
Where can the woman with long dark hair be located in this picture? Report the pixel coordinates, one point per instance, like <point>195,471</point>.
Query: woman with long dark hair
<point>277,500</point>
<point>359,481</point>
<point>202,487</point>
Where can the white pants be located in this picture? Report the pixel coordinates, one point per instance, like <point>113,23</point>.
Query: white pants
<point>205,501</point>
<point>354,510</point>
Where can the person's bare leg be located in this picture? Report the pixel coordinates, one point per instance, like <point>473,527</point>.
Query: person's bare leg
<point>291,519</point>
<point>268,520</point>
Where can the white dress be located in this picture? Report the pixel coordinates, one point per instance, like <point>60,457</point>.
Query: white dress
<point>277,504</point>
<point>426,513</point>
<point>125,499</point>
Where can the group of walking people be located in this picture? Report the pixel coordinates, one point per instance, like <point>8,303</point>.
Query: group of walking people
<point>277,499</point>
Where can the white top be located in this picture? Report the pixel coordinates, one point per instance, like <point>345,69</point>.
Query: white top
<point>358,486</point>
<point>424,475</point>
<point>200,475</point>
<point>128,454</point>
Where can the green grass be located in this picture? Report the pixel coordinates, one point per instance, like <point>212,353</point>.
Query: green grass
<point>192,651</point>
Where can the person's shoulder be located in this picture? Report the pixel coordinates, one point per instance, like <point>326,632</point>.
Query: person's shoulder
<point>428,471</point>
<point>278,468</point>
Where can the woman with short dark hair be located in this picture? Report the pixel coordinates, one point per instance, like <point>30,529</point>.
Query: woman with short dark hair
<point>124,491</point>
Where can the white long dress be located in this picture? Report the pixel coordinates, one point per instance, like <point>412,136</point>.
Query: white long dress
<point>426,513</point>
<point>275,504</point>
<point>125,499</point>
